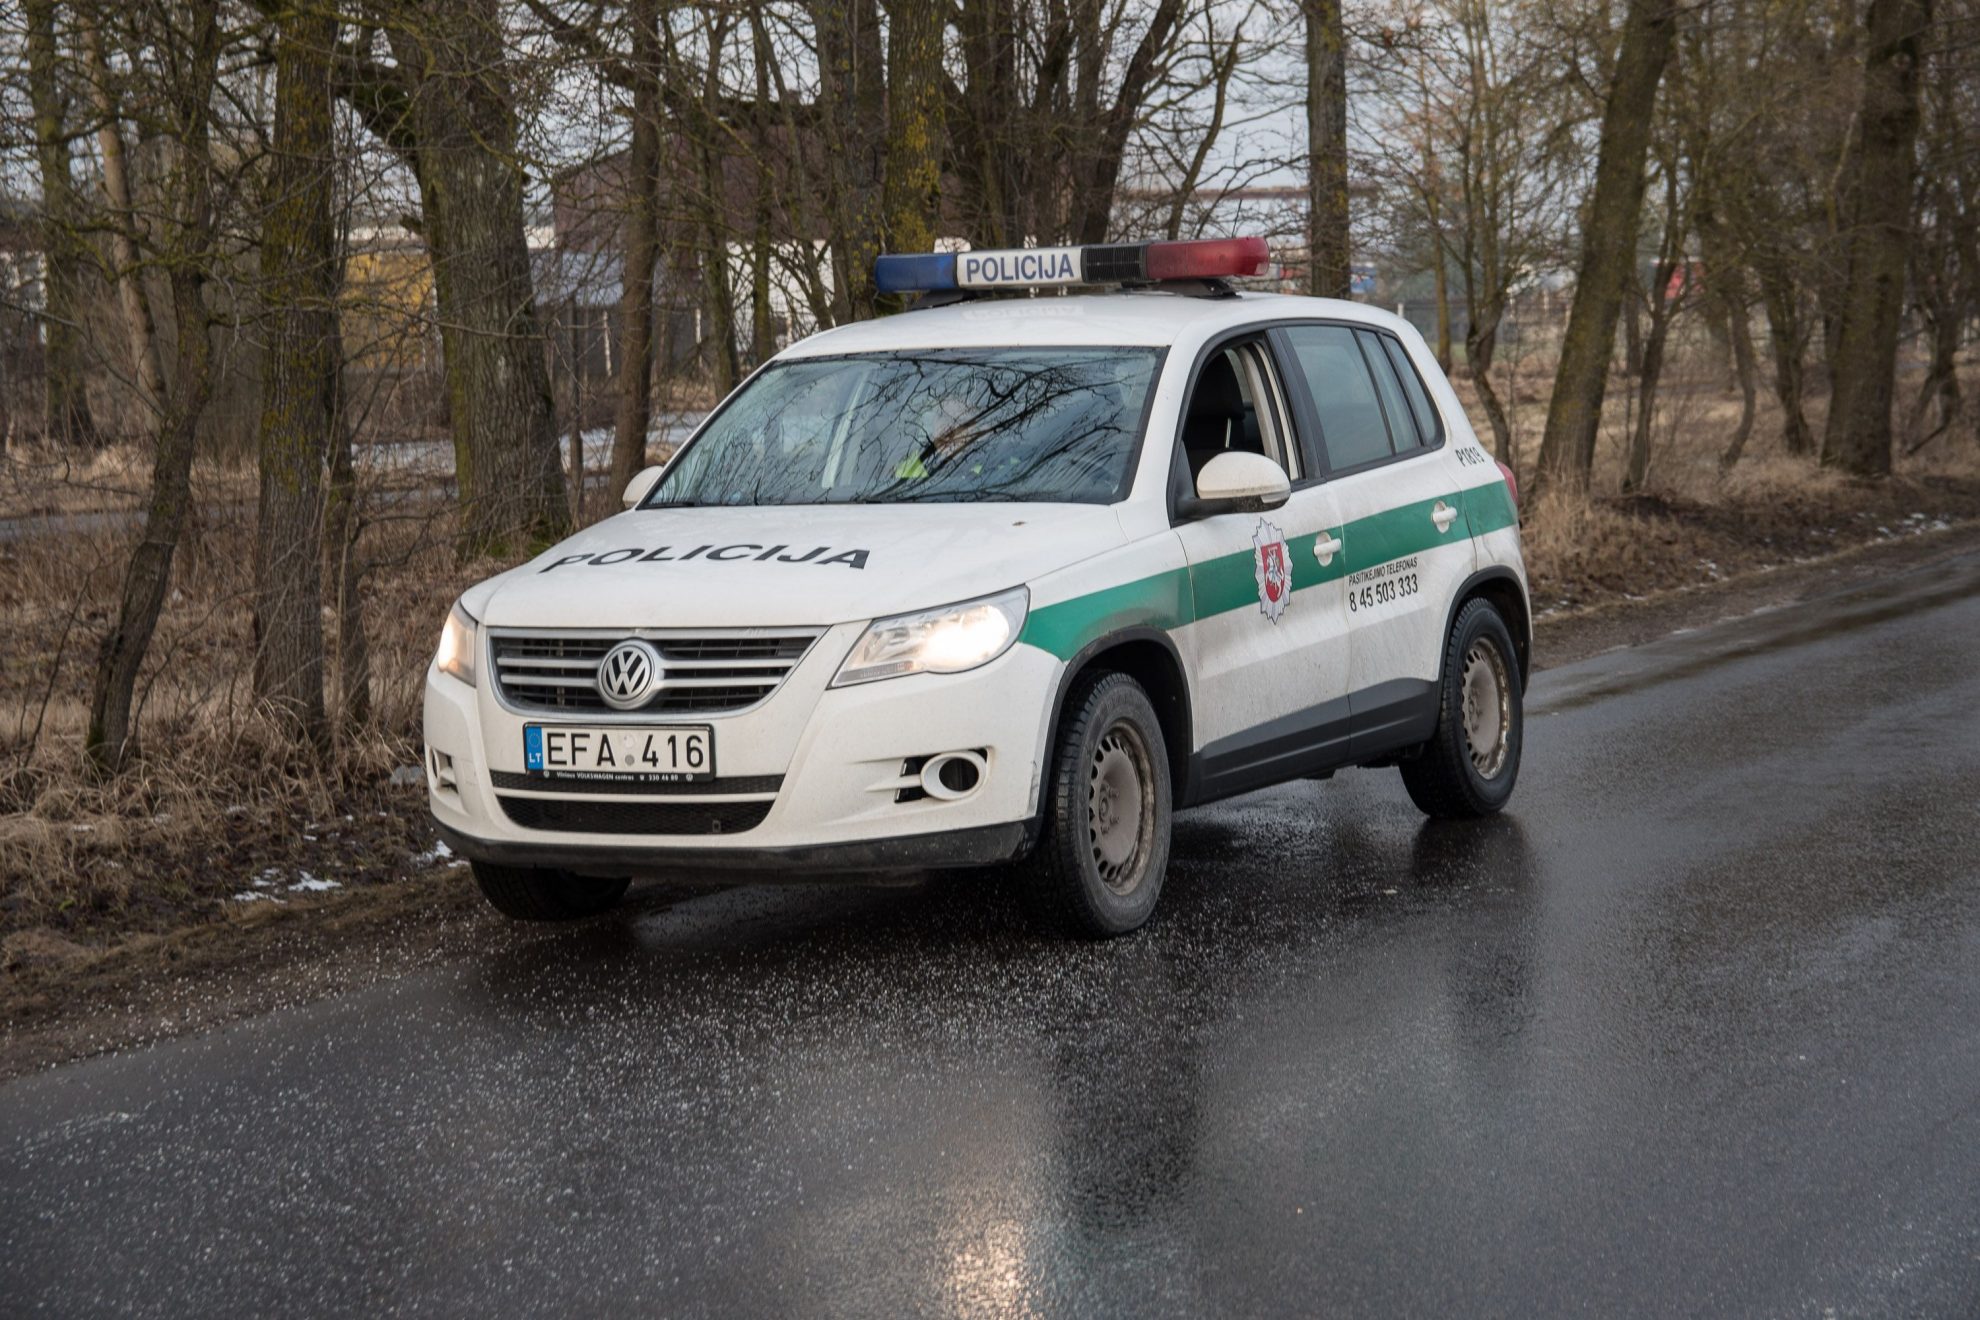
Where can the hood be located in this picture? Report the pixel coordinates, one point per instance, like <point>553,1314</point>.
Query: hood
<point>808,564</point>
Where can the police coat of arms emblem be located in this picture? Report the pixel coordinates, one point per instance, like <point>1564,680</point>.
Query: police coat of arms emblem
<point>1273,566</point>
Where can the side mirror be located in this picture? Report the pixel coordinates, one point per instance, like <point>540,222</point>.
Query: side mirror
<point>638,488</point>
<point>1238,482</point>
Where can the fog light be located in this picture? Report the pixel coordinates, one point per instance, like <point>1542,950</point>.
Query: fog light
<point>953,775</point>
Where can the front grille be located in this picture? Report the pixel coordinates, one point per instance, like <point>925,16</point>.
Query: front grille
<point>584,816</point>
<point>703,673</point>
<point>734,784</point>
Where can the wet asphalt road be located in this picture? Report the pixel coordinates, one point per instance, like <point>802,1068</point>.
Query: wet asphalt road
<point>1694,1029</point>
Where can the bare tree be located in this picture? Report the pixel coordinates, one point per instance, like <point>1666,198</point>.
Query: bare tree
<point>66,416</point>
<point>1864,364</point>
<point>300,274</point>
<point>187,38</point>
<point>1329,256</point>
<point>444,102</point>
<point>1608,247</point>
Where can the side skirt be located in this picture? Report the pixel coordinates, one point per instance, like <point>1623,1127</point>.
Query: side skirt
<point>1364,726</point>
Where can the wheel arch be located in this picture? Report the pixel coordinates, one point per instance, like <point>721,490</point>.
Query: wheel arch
<point>1503,588</point>
<point>1149,656</point>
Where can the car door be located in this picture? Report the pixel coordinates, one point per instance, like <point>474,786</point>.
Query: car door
<point>1267,648</point>
<point>1406,547</point>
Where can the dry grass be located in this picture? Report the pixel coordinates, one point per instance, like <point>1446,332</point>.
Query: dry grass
<point>1694,523</point>
<point>224,801</point>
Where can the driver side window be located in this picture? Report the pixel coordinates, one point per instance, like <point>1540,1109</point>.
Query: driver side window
<point>1238,405</point>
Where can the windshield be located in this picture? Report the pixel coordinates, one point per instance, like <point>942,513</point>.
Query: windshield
<point>962,424</point>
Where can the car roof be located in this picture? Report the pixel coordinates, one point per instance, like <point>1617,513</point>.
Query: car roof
<point>1150,317</point>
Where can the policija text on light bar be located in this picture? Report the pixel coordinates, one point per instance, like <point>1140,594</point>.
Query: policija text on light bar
<point>1094,263</point>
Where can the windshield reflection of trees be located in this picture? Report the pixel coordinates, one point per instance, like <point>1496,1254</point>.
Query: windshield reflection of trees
<point>937,427</point>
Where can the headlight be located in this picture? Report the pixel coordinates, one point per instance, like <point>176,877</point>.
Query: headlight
<point>456,653</point>
<point>939,641</point>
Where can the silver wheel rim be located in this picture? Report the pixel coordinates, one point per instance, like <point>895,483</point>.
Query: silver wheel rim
<point>1120,810</point>
<point>1487,708</point>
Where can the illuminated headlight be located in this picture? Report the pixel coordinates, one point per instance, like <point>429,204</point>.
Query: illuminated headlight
<point>456,653</point>
<point>939,641</point>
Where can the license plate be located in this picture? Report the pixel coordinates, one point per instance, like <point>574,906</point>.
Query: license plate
<point>648,755</point>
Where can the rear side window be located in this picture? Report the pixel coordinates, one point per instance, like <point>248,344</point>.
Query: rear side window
<point>1352,424</point>
<point>1429,430</point>
<point>1395,409</point>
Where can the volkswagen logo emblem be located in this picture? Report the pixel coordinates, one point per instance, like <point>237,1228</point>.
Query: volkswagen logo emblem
<point>628,674</point>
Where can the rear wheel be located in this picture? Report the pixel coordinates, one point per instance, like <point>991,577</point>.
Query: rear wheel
<point>1099,867</point>
<point>529,894</point>
<point>1471,762</point>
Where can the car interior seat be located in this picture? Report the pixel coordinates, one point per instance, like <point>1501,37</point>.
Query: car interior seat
<point>1218,419</point>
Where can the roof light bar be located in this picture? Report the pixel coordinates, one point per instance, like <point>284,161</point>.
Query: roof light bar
<point>1056,267</point>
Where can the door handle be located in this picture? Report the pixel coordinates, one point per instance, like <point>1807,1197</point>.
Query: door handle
<point>1325,547</point>
<point>1443,515</point>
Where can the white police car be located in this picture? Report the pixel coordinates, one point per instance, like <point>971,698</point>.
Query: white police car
<point>1011,578</point>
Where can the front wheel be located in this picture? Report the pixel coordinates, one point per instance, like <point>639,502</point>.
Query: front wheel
<point>530,894</point>
<point>1099,867</point>
<point>1469,765</point>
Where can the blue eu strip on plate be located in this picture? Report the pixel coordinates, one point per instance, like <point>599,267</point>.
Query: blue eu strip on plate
<point>532,747</point>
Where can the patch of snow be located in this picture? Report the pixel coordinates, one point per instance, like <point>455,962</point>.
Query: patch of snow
<point>313,884</point>
<point>439,852</point>
<point>252,896</point>
<point>406,776</point>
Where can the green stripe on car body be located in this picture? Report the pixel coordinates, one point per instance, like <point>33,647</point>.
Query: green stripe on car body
<point>1067,627</point>
<point>1489,508</point>
<point>1178,596</point>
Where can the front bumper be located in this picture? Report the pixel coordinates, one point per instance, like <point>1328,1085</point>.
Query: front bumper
<point>983,846</point>
<point>807,781</point>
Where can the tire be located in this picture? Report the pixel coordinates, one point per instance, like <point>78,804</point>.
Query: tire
<point>527,894</point>
<point>1471,762</point>
<point>1098,869</point>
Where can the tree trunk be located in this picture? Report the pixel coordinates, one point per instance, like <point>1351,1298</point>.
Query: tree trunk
<point>762,334</point>
<point>1637,470</point>
<point>1863,370</point>
<point>852,100</point>
<point>342,526</point>
<point>1740,328</point>
<point>110,740</point>
<point>1662,308</point>
<point>911,191</point>
<point>1608,248</point>
<point>717,292</point>
<point>1329,273</point>
<point>1787,335</point>
<point>1100,172</point>
<point>463,130</point>
<point>128,273</point>
<point>1481,344</point>
<point>1443,341</point>
<point>66,419</point>
<point>634,415</point>
<point>299,272</point>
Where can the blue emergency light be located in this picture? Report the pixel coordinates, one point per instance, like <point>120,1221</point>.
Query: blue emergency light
<point>1050,267</point>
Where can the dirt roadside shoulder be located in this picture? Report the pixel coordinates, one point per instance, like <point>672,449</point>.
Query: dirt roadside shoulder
<point>156,987</point>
